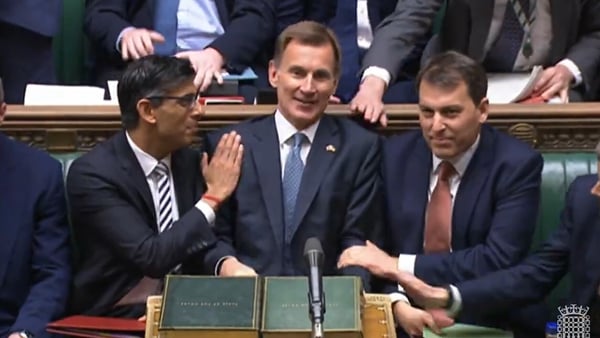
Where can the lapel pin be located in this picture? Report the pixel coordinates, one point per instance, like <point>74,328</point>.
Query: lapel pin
<point>330,148</point>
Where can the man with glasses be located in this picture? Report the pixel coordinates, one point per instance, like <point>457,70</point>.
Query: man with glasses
<point>142,203</point>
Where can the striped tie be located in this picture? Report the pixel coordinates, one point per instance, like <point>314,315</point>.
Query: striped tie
<point>165,216</point>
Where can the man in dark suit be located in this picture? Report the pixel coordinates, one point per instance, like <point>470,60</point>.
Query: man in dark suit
<point>305,174</point>
<point>504,36</point>
<point>27,28</point>
<point>139,205</point>
<point>289,12</point>
<point>214,35</point>
<point>461,197</point>
<point>35,268</point>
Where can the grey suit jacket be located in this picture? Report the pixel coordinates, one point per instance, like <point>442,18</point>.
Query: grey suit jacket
<point>576,32</point>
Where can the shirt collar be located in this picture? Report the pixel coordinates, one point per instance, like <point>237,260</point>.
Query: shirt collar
<point>285,130</point>
<point>461,162</point>
<point>146,161</point>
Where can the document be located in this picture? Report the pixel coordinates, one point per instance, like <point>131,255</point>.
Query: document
<point>468,331</point>
<point>512,87</point>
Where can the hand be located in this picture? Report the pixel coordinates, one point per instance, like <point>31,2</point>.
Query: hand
<point>223,171</point>
<point>368,100</point>
<point>138,42</point>
<point>370,257</point>
<point>142,318</point>
<point>208,64</point>
<point>422,293</point>
<point>554,81</point>
<point>231,267</point>
<point>414,320</point>
<point>334,100</point>
<point>14,335</point>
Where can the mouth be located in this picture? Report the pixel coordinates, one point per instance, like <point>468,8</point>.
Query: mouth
<point>305,102</point>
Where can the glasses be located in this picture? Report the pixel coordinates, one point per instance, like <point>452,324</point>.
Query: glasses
<point>187,101</point>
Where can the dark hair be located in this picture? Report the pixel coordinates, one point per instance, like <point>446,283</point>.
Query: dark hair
<point>152,75</point>
<point>448,69</point>
<point>308,33</point>
<point>1,92</point>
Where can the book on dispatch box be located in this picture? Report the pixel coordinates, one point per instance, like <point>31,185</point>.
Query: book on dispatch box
<point>95,327</point>
<point>209,306</point>
<point>285,307</point>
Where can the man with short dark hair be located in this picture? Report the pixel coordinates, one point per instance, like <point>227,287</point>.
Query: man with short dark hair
<point>140,206</point>
<point>461,197</point>
<point>35,265</point>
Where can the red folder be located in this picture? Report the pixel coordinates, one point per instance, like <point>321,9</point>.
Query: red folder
<point>97,327</point>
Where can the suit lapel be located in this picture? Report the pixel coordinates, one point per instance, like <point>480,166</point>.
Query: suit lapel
<point>481,16</point>
<point>133,171</point>
<point>470,186</point>
<point>561,13</point>
<point>416,190</point>
<point>222,9</point>
<point>317,163</point>
<point>8,227</point>
<point>183,180</point>
<point>265,153</point>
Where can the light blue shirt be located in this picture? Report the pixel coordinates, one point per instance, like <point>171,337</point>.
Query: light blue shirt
<point>198,24</point>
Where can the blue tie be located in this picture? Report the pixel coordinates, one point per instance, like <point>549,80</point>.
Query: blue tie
<point>503,54</point>
<point>344,26</point>
<point>292,176</point>
<point>165,22</point>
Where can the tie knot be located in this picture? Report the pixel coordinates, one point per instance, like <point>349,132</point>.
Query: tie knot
<point>161,169</point>
<point>446,171</point>
<point>299,139</point>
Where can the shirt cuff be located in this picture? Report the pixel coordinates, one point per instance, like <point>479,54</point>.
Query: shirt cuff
<point>406,263</point>
<point>398,297</point>
<point>120,36</point>
<point>572,67</point>
<point>456,305</point>
<point>219,263</point>
<point>208,212</point>
<point>378,72</point>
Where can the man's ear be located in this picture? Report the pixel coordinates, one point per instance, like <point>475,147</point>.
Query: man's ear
<point>273,76</point>
<point>484,109</point>
<point>2,111</point>
<point>146,111</point>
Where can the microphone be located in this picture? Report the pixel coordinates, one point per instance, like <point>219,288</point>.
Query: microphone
<point>313,254</point>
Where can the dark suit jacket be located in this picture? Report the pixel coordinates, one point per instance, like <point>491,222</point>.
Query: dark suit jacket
<point>494,213</point>
<point>573,247</point>
<point>292,11</point>
<point>576,32</point>
<point>40,16</point>
<point>249,29</point>
<point>114,222</point>
<point>338,202</point>
<point>35,268</point>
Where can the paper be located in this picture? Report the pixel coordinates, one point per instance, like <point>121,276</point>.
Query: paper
<point>52,95</point>
<point>512,87</point>
<point>247,74</point>
<point>468,331</point>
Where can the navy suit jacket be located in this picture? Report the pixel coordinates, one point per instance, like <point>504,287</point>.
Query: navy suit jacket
<point>249,29</point>
<point>494,214</point>
<point>40,16</point>
<point>35,268</point>
<point>114,222</point>
<point>338,202</point>
<point>292,11</point>
<point>573,247</point>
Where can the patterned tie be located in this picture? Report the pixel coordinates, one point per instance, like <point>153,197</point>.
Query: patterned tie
<point>501,57</point>
<point>165,215</point>
<point>292,176</point>
<point>165,22</point>
<point>438,219</point>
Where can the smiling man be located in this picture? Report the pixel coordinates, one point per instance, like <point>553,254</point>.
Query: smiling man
<point>141,207</point>
<point>304,173</point>
<point>461,197</point>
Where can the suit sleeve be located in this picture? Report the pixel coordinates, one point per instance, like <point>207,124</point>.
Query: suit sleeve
<point>585,53</point>
<point>103,22</point>
<point>250,30</point>
<point>364,216</point>
<point>398,34</point>
<point>512,226</point>
<point>529,281</point>
<point>101,204</point>
<point>51,261</point>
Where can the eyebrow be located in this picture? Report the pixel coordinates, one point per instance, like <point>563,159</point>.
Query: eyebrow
<point>444,108</point>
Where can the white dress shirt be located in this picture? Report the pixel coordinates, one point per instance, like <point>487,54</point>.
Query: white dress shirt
<point>285,131</point>
<point>406,262</point>
<point>363,24</point>
<point>198,24</point>
<point>148,163</point>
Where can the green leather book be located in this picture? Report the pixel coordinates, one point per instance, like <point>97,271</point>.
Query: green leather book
<point>204,306</point>
<point>285,304</point>
<point>468,331</point>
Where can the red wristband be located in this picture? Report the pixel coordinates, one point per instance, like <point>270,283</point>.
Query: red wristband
<point>211,198</point>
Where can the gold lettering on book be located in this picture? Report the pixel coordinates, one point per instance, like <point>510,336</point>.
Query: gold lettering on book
<point>209,304</point>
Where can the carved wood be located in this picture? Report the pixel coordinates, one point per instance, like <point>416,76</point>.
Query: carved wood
<point>572,127</point>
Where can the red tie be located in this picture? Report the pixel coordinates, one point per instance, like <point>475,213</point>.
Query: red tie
<point>438,219</point>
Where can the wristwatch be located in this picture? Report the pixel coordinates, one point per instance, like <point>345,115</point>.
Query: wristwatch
<point>450,301</point>
<point>25,334</point>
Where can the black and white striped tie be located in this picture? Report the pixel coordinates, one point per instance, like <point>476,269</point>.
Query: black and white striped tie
<point>165,215</point>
